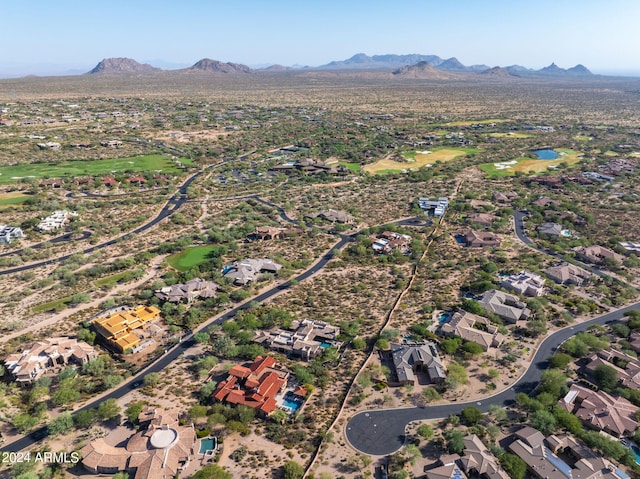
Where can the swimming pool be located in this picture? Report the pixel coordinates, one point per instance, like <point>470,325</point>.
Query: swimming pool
<point>207,444</point>
<point>292,401</point>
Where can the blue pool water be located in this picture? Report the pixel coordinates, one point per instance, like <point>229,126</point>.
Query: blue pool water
<point>546,154</point>
<point>227,269</point>
<point>206,444</point>
<point>325,345</point>
<point>444,317</point>
<point>636,451</point>
<point>292,401</point>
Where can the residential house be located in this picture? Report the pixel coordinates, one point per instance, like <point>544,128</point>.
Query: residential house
<point>505,305</point>
<point>563,215</point>
<point>538,453</point>
<point>446,468</point>
<point>109,181</point>
<point>53,183</point>
<point>472,327</point>
<point>255,386</point>
<point>119,330</point>
<point>161,449</point>
<point>436,208</point>
<point>482,219</point>
<point>544,201</point>
<point>387,241</point>
<point>9,233</point>
<point>48,355</point>
<point>273,232</point>
<point>306,339</point>
<point>248,270</point>
<point>553,230</point>
<point>597,254</point>
<point>56,220</point>
<point>49,145</point>
<point>409,359</point>
<point>599,410</point>
<point>333,216</point>
<point>524,283</point>
<point>627,367</point>
<point>111,143</point>
<point>592,175</point>
<point>136,180</point>
<point>505,196</point>
<point>480,239</point>
<point>567,273</point>
<point>192,289</point>
<point>478,461</point>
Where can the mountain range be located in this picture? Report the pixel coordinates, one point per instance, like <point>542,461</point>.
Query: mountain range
<point>412,66</point>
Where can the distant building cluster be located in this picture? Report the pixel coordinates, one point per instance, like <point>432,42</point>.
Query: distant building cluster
<point>48,355</point>
<point>56,220</point>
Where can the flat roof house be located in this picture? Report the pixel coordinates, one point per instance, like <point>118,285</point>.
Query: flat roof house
<point>307,339</point>
<point>117,330</point>
<point>524,283</point>
<point>9,233</point>
<point>436,208</point>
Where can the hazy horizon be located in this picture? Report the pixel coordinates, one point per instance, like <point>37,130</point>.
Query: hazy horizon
<point>49,39</point>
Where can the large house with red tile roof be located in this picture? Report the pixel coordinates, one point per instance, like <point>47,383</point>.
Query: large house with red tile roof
<point>255,386</point>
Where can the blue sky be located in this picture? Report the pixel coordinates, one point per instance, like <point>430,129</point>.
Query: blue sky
<point>47,35</point>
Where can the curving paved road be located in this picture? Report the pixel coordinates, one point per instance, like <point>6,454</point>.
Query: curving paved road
<point>173,204</point>
<point>186,343</point>
<point>382,432</point>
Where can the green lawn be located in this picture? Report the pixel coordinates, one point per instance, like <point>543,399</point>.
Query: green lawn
<point>52,305</point>
<point>113,279</point>
<point>12,199</point>
<point>74,168</point>
<point>353,167</point>
<point>187,259</point>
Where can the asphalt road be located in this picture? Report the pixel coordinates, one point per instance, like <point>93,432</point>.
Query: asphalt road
<point>519,216</point>
<point>175,352</point>
<point>382,432</point>
<point>174,203</point>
